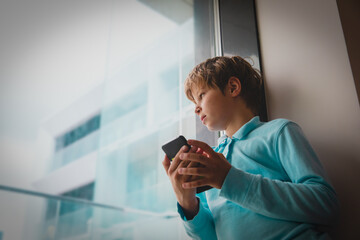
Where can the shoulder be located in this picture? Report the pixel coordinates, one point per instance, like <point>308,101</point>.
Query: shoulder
<point>278,122</point>
<point>277,125</point>
<point>286,130</point>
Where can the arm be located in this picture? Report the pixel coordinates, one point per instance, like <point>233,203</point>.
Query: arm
<point>202,225</point>
<point>198,220</point>
<point>307,198</point>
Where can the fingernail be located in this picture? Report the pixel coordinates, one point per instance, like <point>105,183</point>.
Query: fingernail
<point>182,156</point>
<point>181,170</point>
<point>184,148</point>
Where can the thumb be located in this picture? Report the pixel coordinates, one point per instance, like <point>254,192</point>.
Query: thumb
<point>166,163</point>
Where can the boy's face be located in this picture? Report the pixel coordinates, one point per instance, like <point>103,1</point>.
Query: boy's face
<point>213,107</point>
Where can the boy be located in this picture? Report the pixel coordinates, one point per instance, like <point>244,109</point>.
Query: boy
<point>267,181</point>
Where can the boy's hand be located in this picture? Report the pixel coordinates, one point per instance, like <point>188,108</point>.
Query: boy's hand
<point>185,197</point>
<point>213,170</point>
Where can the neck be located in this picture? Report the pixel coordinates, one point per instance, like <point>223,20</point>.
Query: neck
<point>239,119</point>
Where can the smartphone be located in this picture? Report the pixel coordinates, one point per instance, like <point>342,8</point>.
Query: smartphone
<point>173,147</point>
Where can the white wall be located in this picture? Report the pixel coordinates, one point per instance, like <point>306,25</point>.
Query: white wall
<point>308,79</point>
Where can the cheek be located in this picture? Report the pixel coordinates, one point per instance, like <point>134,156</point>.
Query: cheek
<point>217,108</point>
<point>220,114</point>
<point>217,114</point>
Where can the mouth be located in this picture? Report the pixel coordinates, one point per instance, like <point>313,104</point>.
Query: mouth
<point>202,118</point>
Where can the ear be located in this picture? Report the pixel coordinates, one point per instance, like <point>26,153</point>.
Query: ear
<point>234,86</point>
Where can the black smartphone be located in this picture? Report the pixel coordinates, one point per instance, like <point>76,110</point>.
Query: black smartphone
<point>173,147</point>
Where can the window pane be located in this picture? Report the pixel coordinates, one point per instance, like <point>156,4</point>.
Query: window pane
<point>90,91</point>
<point>143,108</point>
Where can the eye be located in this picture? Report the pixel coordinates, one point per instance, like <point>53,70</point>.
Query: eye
<point>201,95</point>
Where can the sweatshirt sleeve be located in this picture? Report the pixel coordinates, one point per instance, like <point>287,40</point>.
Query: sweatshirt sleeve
<point>202,225</point>
<point>308,197</point>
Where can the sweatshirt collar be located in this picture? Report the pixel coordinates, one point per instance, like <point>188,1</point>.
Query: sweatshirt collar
<point>244,130</point>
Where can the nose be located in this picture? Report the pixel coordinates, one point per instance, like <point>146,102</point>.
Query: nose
<point>197,110</point>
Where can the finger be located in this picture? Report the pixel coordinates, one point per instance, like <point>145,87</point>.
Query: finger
<point>193,171</point>
<point>190,165</point>
<point>166,163</point>
<point>202,145</point>
<point>200,158</point>
<point>175,163</point>
<point>221,156</point>
<point>194,164</point>
<point>183,164</point>
<point>200,151</point>
<point>193,149</point>
<point>195,184</point>
<point>186,163</point>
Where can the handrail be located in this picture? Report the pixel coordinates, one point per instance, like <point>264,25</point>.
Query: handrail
<point>91,203</point>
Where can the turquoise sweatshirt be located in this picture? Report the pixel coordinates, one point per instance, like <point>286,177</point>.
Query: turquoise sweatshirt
<point>275,189</point>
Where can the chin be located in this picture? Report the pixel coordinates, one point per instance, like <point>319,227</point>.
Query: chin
<point>210,129</point>
<point>213,129</point>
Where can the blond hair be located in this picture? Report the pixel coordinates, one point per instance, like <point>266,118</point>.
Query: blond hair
<point>216,72</point>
